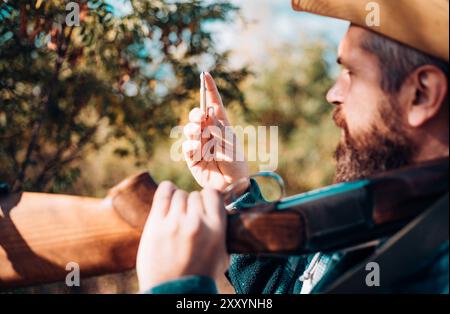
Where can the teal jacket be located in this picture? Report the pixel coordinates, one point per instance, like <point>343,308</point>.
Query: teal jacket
<point>289,275</point>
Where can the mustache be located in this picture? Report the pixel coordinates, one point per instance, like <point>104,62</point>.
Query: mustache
<point>339,119</point>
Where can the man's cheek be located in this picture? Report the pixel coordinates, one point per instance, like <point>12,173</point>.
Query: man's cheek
<point>353,124</point>
<point>360,114</point>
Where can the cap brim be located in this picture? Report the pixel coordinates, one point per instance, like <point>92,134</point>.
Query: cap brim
<point>421,24</point>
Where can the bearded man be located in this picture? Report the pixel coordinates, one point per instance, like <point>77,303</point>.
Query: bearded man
<point>391,103</point>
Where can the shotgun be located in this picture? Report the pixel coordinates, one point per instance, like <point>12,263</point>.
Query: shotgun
<point>41,233</point>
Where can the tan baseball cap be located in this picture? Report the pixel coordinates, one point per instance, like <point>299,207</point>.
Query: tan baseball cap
<point>421,24</point>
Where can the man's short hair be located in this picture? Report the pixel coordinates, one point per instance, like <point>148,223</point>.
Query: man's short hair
<point>397,61</point>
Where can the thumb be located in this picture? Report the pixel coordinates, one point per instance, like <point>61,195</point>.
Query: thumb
<point>214,100</point>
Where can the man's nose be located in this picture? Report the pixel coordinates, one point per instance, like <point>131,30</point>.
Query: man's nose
<point>335,95</point>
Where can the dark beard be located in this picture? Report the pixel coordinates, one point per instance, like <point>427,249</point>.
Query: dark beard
<point>374,151</point>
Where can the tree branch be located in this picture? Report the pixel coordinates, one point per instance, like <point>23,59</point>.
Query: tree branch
<point>37,125</point>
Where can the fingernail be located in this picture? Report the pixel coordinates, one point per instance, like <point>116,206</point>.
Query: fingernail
<point>211,112</point>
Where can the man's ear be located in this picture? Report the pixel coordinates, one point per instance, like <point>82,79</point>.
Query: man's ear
<point>427,87</point>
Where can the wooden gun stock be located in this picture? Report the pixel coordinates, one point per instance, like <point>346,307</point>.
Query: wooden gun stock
<point>41,233</point>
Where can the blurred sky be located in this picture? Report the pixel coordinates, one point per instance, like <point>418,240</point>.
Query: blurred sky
<point>269,24</point>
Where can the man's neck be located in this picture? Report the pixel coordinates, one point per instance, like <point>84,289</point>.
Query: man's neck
<point>431,147</point>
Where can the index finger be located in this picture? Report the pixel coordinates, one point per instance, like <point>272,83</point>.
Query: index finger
<point>163,198</point>
<point>213,98</point>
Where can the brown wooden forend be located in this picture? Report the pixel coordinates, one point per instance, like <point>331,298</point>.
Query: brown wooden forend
<point>275,231</point>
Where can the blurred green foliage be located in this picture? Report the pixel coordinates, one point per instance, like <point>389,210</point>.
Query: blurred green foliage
<point>81,108</point>
<point>65,91</point>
